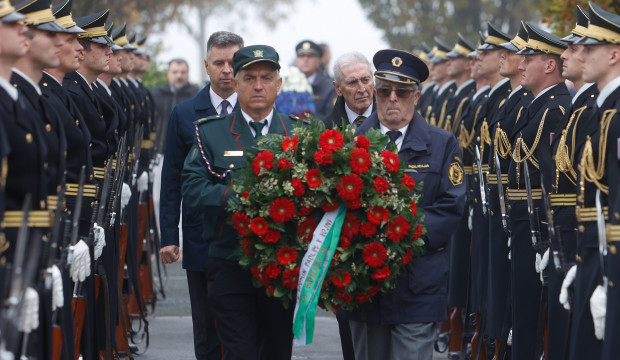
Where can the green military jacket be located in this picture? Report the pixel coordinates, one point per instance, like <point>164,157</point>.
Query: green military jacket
<point>217,156</point>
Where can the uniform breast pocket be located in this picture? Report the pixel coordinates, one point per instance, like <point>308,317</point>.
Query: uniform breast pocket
<point>229,164</point>
<point>426,175</point>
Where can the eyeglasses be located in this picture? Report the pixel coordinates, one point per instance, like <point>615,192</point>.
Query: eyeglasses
<point>400,92</point>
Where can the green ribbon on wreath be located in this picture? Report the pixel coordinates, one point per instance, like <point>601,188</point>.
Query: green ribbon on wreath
<point>312,273</point>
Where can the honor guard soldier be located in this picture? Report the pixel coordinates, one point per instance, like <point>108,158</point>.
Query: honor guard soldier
<point>435,115</point>
<point>308,61</point>
<point>459,69</point>
<point>499,318</point>
<point>114,84</point>
<point>535,129</point>
<point>599,60</point>
<point>250,324</point>
<point>27,72</point>
<point>355,88</point>
<point>218,97</point>
<point>572,133</point>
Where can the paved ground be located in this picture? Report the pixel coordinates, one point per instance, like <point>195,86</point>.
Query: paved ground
<point>171,327</point>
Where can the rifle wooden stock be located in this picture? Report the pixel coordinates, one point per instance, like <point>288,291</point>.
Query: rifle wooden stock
<point>56,342</point>
<point>133,306</point>
<point>478,350</point>
<point>78,304</point>
<point>456,329</point>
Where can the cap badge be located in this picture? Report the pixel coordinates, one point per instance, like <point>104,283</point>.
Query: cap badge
<point>258,53</point>
<point>397,61</point>
<point>306,45</point>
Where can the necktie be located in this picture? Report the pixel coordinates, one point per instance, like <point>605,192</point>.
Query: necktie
<point>258,128</point>
<point>393,135</point>
<point>224,110</point>
<point>359,120</point>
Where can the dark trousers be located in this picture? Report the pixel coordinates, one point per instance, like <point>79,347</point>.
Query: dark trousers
<point>206,342</point>
<point>250,324</point>
<point>346,340</point>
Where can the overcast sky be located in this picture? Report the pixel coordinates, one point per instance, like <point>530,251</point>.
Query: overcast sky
<point>341,23</point>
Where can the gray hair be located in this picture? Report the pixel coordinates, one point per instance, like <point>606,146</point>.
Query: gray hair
<point>347,59</point>
<point>223,39</point>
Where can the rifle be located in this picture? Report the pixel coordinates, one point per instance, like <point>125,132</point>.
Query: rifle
<point>602,237</point>
<point>559,259</point>
<point>502,200</point>
<point>483,190</point>
<point>534,221</point>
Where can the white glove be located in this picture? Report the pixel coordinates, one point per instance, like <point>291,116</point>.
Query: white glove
<point>143,182</point>
<point>5,354</point>
<point>125,195</point>
<point>80,267</point>
<point>470,219</point>
<point>58,297</point>
<point>598,304</point>
<point>541,263</point>
<point>29,319</point>
<point>99,236</point>
<point>509,340</point>
<point>568,281</point>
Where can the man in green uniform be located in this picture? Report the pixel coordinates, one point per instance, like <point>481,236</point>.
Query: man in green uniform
<point>250,324</point>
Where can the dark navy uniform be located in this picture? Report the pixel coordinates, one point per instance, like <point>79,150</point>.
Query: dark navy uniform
<point>180,138</point>
<point>427,96</point>
<point>457,104</point>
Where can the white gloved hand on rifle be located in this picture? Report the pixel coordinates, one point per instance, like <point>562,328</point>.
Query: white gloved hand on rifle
<point>29,317</point>
<point>541,263</point>
<point>125,195</point>
<point>598,307</point>
<point>80,264</point>
<point>568,281</point>
<point>58,297</point>
<point>143,182</point>
<point>99,236</point>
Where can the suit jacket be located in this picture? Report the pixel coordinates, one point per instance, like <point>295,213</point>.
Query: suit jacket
<point>324,95</point>
<point>431,155</point>
<point>48,120</point>
<point>339,112</point>
<point>203,190</point>
<point>90,107</point>
<point>180,138</point>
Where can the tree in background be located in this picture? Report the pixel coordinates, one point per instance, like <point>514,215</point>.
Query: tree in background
<point>560,14</point>
<point>408,23</point>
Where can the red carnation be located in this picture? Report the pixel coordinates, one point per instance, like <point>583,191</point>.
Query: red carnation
<point>241,222</point>
<point>272,236</point>
<point>290,144</point>
<point>299,189</point>
<point>381,274</point>
<point>374,254</point>
<point>290,278</point>
<point>284,164</point>
<point>305,211</point>
<point>327,207</point>
<point>282,210</point>
<point>390,160</point>
<point>344,242</point>
<point>286,255</point>
<point>245,194</point>
<point>331,140</point>
<point>323,157</point>
<point>248,246</point>
<point>264,160</point>
<point>313,178</point>
<point>408,182</point>
<point>418,232</point>
<point>350,187</point>
<point>272,270</point>
<point>259,226</point>
<point>341,278</point>
<point>398,228</point>
<point>362,142</point>
<point>350,226</point>
<point>353,204</point>
<point>407,257</point>
<point>377,214</point>
<point>381,185</point>
<point>359,161</point>
<point>414,207</point>
<point>306,229</point>
<point>368,229</point>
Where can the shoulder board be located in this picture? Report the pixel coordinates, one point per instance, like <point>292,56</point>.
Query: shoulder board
<point>295,119</point>
<point>209,118</point>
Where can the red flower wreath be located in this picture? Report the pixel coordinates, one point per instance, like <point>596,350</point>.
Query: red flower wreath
<point>359,161</point>
<point>350,187</point>
<point>331,140</point>
<point>286,255</point>
<point>374,254</point>
<point>390,160</point>
<point>282,210</point>
<point>398,228</point>
<point>264,160</point>
<point>290,144</point>
<point>313,178</point>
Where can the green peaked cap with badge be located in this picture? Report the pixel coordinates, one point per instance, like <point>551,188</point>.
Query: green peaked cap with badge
<point>253,54</point>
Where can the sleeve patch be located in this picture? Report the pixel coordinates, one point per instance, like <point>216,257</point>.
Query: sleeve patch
<point>456,173</point>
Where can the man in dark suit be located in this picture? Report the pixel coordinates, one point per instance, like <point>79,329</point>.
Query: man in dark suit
<point>308,61</point>
<point>402,324</point>
<point>218,97</point>
<point>355,88</point>
<point>250,324</point>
